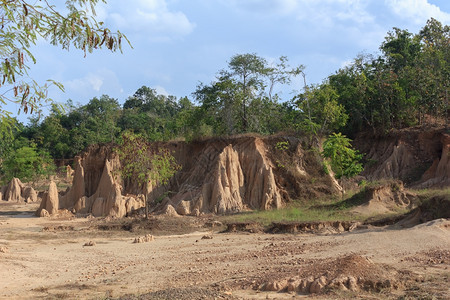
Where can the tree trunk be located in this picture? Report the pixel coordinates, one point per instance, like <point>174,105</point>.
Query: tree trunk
<point>146,206</point>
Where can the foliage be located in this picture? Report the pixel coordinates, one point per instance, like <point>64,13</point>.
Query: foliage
<point>282,146</point>
<point>23,23</point>
<point>243,97</point>
<point>164,167</point>
<point>396,89</point>
<point>135,158</point>
<point>27,163</point>
<point>321,103</point>
<point>402,86</point>
<point>143,164</point>
<point>344,160</point>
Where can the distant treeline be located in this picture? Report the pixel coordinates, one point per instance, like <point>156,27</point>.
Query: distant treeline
<point>406,81</point>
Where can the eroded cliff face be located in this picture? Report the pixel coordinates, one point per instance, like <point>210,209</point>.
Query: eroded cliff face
<point>417,156</point>
<point>221,175</point>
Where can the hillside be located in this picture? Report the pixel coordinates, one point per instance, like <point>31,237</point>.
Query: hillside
<point>227,175</point>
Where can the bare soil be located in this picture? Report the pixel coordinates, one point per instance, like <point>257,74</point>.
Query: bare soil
<point>193,258</point>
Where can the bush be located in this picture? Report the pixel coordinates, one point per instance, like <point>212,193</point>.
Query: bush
<point>344,160</point>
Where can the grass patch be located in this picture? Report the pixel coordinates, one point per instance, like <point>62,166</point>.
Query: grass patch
<point>426,194</point>
<point>293,213</point>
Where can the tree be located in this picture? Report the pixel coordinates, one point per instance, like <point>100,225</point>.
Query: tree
<point>321,112</point>
<point>145,165</point>
<point>249,69</point>
<point>344,160</point>
<point>26,163</point>
<point>23,23</point>
<point>150,114</point>
<point>243,97</point>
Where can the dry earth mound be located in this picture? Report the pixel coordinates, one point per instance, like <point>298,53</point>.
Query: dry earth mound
<point>221,175</point>
<point>383,198</point>
<point>352,272</point>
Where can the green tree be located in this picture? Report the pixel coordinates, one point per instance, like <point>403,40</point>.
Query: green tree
<point>243,97</point>
<point>27,163</point>
<point>344,160</point>
<point>150,114</point>
<point>145,165</point>
<point>23,23</point>
<point>321,112</point>
<point>248,69</point>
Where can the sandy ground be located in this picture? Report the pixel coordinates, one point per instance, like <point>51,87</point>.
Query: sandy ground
<point>47,258</point>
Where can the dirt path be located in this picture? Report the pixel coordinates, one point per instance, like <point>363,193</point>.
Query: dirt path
<point>54,263</point>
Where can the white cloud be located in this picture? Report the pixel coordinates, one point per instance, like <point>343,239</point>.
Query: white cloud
<point>330,12</point>
<point>417,10</point>
<point>103,81</point>
<point>161,91</point>
<point>91,82</point>
<point>264,6</point>
<point>152,18</point>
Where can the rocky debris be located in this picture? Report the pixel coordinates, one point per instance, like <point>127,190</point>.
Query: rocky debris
<point>58,228</point>
<point>313,227</point>
<point>144,239</point>
<point>431,257</point>
<point>89,244</point>
<point>251,227</point>
<point>16,191</point>
<point>213,224</point>
<point>207,237</point>
<point>350,273</point>
<point>50,201</point>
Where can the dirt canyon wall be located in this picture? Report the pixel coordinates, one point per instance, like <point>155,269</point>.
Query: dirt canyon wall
<point>219,175</point>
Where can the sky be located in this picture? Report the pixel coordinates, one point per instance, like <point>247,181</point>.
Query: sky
<point>179,43</point>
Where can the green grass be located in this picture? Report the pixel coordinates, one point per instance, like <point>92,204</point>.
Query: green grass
<point>325,209</point>
<point>295,212</point>
<point>429,193</point>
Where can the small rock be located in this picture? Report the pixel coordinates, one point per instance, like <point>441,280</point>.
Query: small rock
<point>144,239</point>
<point>3,249</point>
<point>306,284</point>
<point>207,237</point>
<point>352,283</point>
<point>44,213</point>
<point>274,286</point>
<point>318,285</point>
<point>89,244</point>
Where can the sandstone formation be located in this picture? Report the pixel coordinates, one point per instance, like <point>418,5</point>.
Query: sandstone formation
<point>221,175</point>
<point>50,201</point>
<point>16,191</point>
<point>418,156</point>
<point>438,175</point>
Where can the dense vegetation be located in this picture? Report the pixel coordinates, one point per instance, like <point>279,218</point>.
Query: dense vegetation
<point>399,87</point>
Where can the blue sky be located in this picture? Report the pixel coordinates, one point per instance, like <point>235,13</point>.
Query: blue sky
<point>179,43</point>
